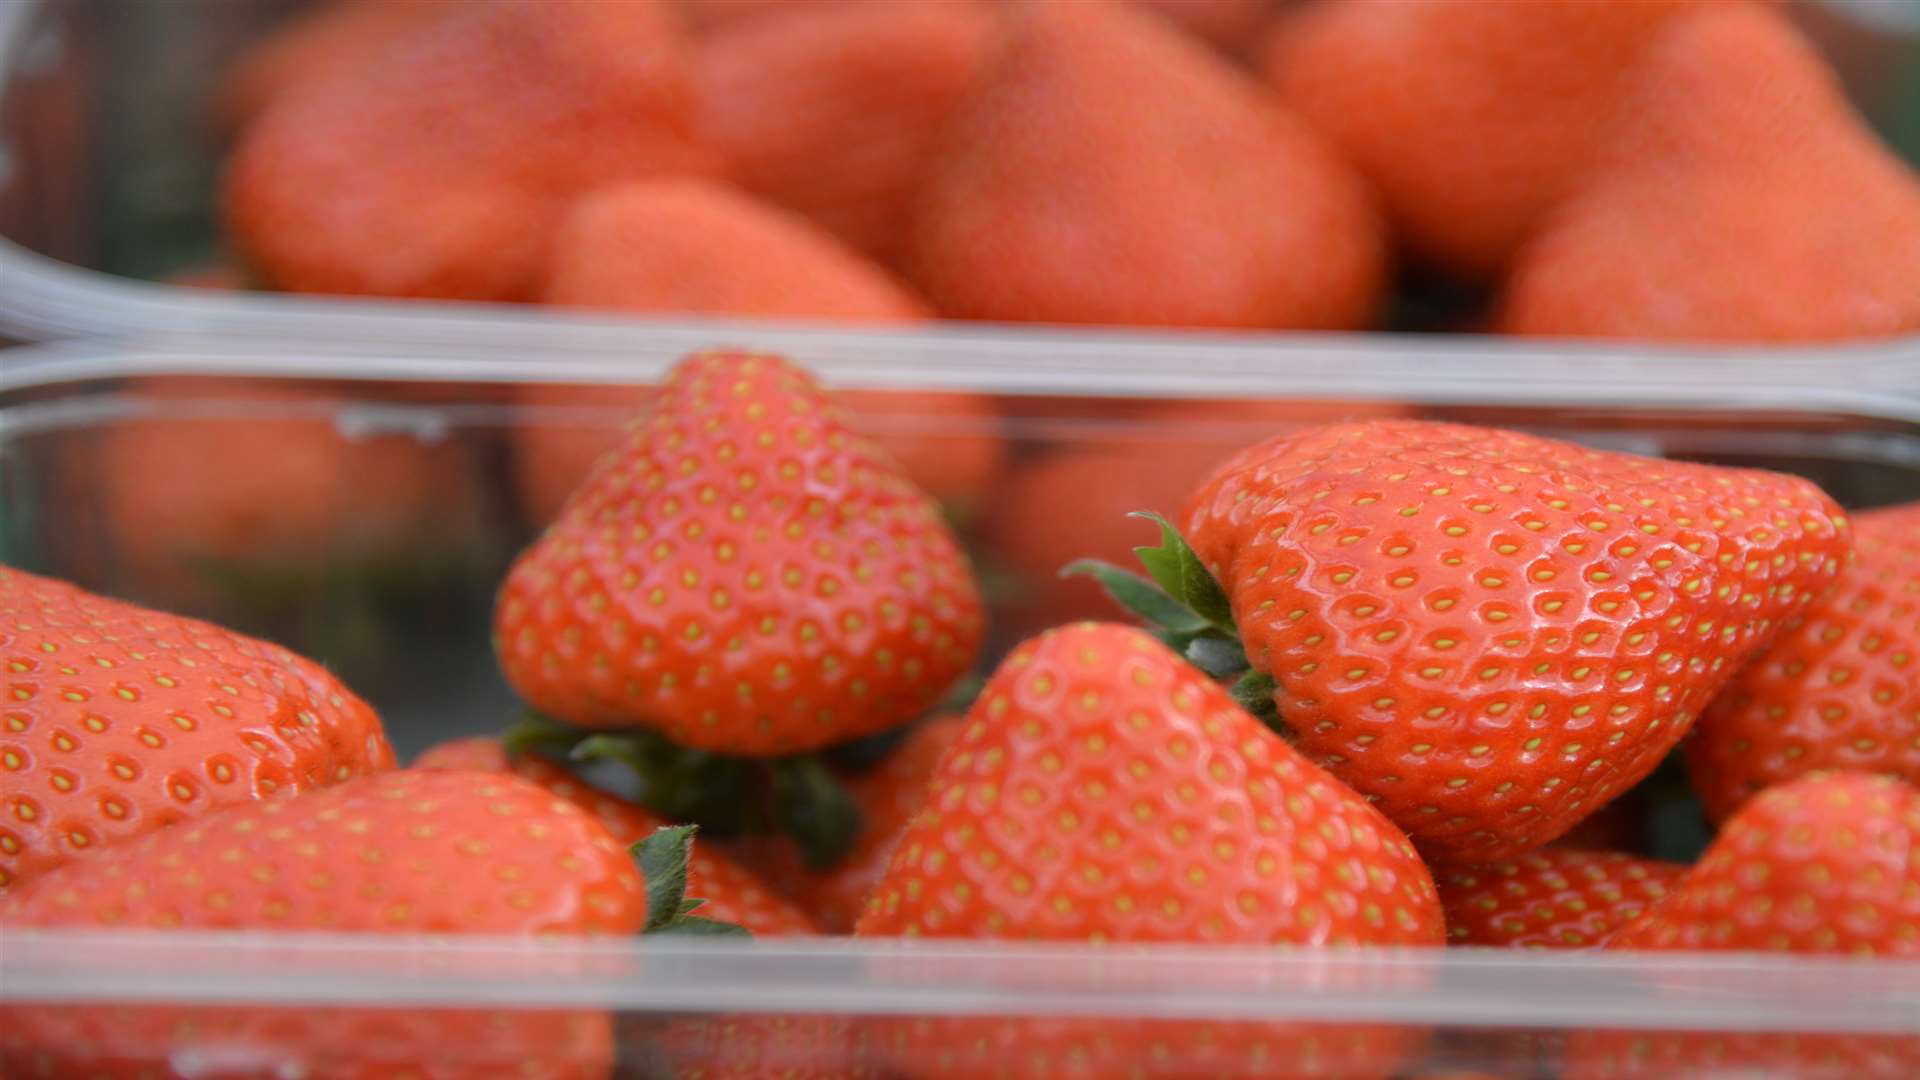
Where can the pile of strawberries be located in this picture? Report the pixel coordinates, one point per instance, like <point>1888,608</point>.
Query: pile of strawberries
<point>1679,170</point>
<point>1381,668</point>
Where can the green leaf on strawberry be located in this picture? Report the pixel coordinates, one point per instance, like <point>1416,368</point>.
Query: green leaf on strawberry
<point>662,859</point>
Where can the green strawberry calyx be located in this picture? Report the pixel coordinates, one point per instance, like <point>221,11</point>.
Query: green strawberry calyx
<point>728,795</point>
<point>663,859</point>
<point>1188,610</point>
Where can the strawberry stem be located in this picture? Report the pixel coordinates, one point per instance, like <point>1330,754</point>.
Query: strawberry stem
<point>798,795</point>
<point>1189,610</point>
<point>814,809</point>
<point>663,859</point>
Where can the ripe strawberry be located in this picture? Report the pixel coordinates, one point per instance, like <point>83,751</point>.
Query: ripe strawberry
<point>732,892</point>
<point>1486,633</point>
<point>1104,174</point>
<point>1553,898</point>
<point>948,443</point>
<point>1740,199</point>
<point>1836,691</point>
<point>1182,818</point>
<point>1471,119</point>
<point>441,166</point>
<point>688,247</point>
<point>837,114</point>
<point>117,721</point>
<point>248,472</point>
<point>313,47</point>
<point>1829,863</point>
<point>1228,24</point>
<point>1105,790</point>
<point>1063,505</point>
<point>743,576</point>
<point>402,852</point>
<point>888,796</point>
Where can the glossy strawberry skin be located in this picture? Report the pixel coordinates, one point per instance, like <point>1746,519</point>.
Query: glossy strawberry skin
<point>1838,690</point>
<point>1829,863</point>
<point>731,891</point>
<point>401,852</point>
<point>1491,634</point>
<point>415,850</point>
<point>1103,789</point>
<point>1553,898</point>
<point>118,720</point>
<point>743,576</point>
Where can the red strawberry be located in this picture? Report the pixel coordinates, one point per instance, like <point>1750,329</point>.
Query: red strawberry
<point>1472,119</point>
<point>732,892</point>
<point>1487,633</point>
<point>688,247</point>
<point>1838,689</point>
<point>1826,864</point>
<point>1553,898</point>
<point>313,47</point>
<point>1112,171</point>
<point>1105,790</point>
<point>1229,24</point>
<point>117,720</point>
<point>743,576</point>
<point>1739,198</point>
<point>838,114</point>
<point>1063,505</point>
<point>888,795</point>
<point>948,443</point>
<point>247,473</point>
<point>441,166</point>
<point>403,852</point>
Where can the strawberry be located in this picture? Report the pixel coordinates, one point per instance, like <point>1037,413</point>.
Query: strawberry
<point>225,473</point>
<point>1829,863</point>
<point>688,247</point>
<point>1405,89</point>
<point>1229,24</point>
<point>1553,898</point>
<point>440,167</point>
<point>948,443</point>
<point>888,796</point>
<point>1063,505</point>
<point>1104,790</point>
<point>1488,634</point>
<point>312,47</point>
<point>402,852</point>
<point>1104,174</point>
<point>1836,691</point>
<point>1739,199</point>
<point>732,892</point>
<point>838,114</point>
<point>118,720</point>
<point>742,576</point>
<point>1182,819</point>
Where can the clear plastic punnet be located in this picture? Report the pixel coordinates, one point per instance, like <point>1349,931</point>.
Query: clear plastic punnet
<point>426,465</point>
